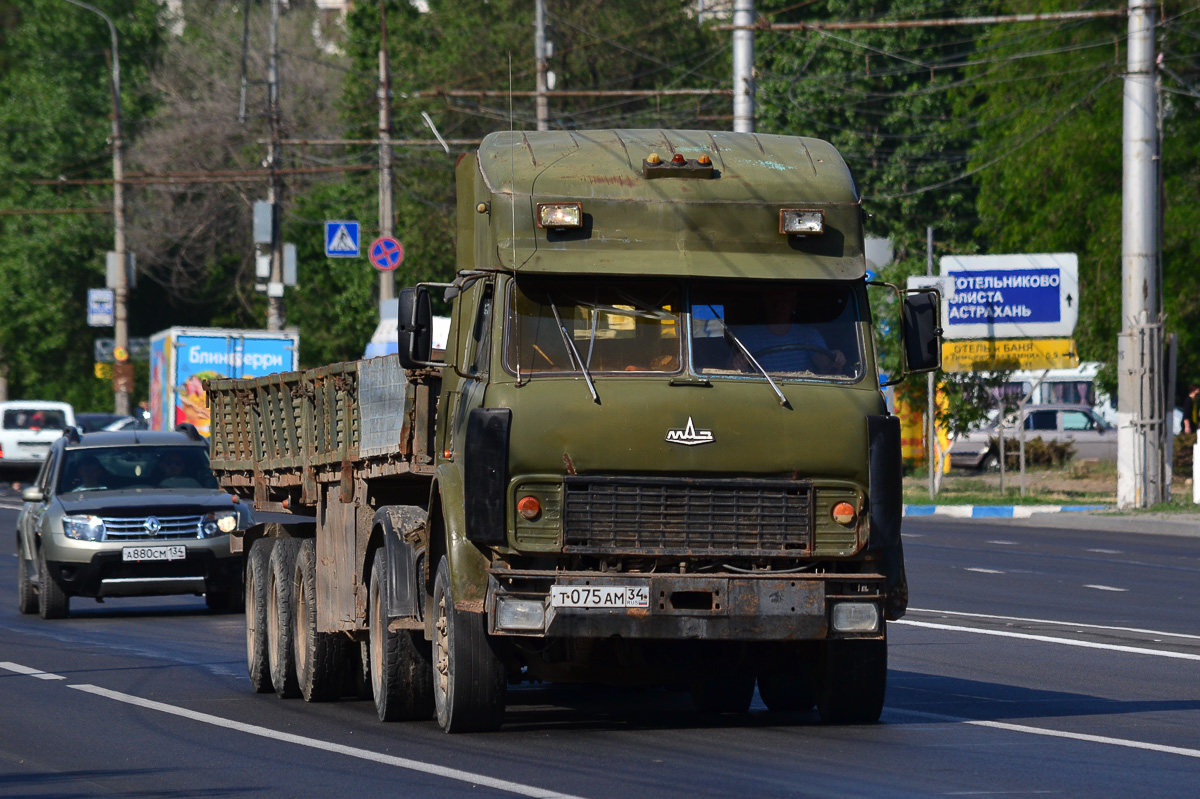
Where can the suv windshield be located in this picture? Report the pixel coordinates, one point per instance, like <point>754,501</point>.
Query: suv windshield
<point>790,330</point>
<point>109,468</point>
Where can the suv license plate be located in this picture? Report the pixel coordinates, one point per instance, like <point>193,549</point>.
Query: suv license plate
<point>177,552</point>
<point>599,596</point>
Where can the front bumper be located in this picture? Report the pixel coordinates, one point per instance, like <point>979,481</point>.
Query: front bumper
<point>99,571</point>
<point>731,607</point>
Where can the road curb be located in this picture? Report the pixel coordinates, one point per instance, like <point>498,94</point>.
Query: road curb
<point>995,511</point>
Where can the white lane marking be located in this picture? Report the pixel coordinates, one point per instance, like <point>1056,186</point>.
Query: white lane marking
<point>964,614</point>
<point>1077,736</point>
<point>982,571</point>
<point>1107,588</point>
<point>1105,551</point>
<point>1136,650</point>
<point>19,669</point>
<point>326,746</point>
<point>1004,543</point>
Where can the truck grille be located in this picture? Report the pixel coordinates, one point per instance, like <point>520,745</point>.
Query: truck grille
<point>138,528</point>
<point>687,517</point>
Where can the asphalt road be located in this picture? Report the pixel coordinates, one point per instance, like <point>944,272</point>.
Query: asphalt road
<point>1034,661</point>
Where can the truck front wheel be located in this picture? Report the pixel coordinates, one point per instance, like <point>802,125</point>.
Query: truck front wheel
<point>320,657</point>
<point>258,567</point>
<point>468,677</point>
<point>851,679</point>
<point>400,669</point>
<point>280,653</point>
<point>785,678</point>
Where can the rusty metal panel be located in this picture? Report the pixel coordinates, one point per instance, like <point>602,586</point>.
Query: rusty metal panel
<point>381,389</point>
<point>336,561</point>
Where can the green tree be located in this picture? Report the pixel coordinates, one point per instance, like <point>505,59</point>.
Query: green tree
<point>55,112</point>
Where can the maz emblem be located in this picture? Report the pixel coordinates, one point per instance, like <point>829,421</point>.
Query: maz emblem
<point>689,435</point>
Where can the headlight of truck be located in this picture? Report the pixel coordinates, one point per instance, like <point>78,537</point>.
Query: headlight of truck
<point>217,523</point>
<point>83,528</point>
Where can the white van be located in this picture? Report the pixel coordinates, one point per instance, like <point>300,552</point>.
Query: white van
<point>28,428</point>
<point>1063,386</point>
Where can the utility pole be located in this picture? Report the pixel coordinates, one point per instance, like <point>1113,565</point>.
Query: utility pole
<point>931,390</point>
<point>539,51</point>
<point>743,66</point>
<point>276,311</point>
<point>387,280</point>
<point>122,377</point>
<point>1141,403</point>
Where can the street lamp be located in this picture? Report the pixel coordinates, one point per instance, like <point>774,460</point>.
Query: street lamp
<point>123,374</point>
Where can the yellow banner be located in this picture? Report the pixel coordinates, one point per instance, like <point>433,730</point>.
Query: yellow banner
<point>998,355</point>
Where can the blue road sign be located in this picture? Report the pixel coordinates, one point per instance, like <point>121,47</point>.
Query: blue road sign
<point>341,239</point>
<point>1011,296</point>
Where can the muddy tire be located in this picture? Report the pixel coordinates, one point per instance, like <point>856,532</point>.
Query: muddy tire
<point>280,651</point>
<point>258,567</point>
<point>400,661</point>
<point>320,657</point>
<point>53,602</point>
<point>851,680</point>
<point>27,595</point>
<point>469,678</point>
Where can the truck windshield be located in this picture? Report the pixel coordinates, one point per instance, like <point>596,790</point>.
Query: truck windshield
<point>631,326</point>
<point>800,330</point>
<point>789,330</point>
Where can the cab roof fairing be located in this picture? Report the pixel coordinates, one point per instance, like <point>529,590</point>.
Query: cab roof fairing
<point>724,226</point>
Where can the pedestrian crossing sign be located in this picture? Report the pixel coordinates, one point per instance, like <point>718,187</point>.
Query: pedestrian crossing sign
<point>341,239</point>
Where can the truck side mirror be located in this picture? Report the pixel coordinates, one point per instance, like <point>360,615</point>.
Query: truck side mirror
<point>414,325</point>
<point>921,331</point>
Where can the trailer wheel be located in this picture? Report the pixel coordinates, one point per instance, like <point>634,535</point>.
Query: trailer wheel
<point>53,602</point>
<point>785,681</point>
<point>851,681</point>
<point>401,672</point>
<point>469,678</point>
<point>280,651</point>
<point>27,596</point>
<point>258,567</point>
<point>320,657</point>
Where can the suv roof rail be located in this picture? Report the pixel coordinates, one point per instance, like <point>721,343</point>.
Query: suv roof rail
<point>190,430</point>
<point>71,434</point>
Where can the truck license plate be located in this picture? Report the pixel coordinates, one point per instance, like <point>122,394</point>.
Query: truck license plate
<point>599,596</point>
<point>177,552</point>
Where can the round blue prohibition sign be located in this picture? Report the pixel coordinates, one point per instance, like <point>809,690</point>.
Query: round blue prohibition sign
<point>386,253</point>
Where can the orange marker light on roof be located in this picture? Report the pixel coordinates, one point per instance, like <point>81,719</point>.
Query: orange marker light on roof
<point>653,158</point>
<point>704,160</point>
<point>678,159</point>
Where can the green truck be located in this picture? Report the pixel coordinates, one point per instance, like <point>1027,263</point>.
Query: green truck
<point>653,451</point>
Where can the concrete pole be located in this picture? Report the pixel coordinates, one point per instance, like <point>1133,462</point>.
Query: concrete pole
<point>1140,401</point>
<point>121,287</point>
<point>539,51</point>
<point>387,280</point>
<point>743,68</point>
<point>276,310</point>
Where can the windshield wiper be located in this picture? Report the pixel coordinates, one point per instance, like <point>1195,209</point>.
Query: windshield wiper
<point>566,337</point>
<point>729,335</point>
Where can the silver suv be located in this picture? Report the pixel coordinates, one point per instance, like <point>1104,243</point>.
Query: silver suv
<point>125,514</point>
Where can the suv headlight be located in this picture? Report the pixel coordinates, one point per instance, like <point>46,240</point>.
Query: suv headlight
<point>217,523</point>
<point>83,528</point>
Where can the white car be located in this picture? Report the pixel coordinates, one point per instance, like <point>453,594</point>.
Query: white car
<point>1077,425</point>
<point>28,428</point>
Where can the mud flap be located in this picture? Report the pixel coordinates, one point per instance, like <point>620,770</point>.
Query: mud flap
<point>887,508</point>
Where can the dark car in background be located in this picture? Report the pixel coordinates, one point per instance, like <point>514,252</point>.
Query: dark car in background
<point>1080,426</point>
<point>127,514</point>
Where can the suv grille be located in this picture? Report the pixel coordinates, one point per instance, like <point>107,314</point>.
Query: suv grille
<point>137,528</point>
<point>688,517</point>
